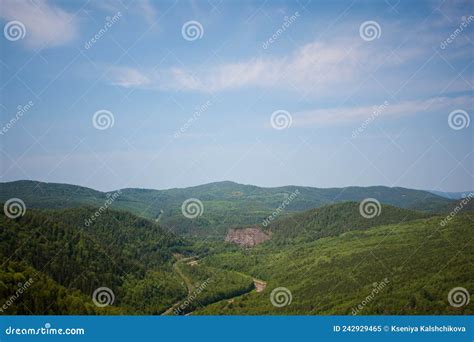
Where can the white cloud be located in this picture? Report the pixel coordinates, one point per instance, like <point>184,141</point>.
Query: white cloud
<point>46,24</point>
<point>143,8</point>
<point>146,9</point>
<point>338,115</point>
<point>322,69</point>
<point>128,77</point>
<point>314,65</point>
<point>317,68</point>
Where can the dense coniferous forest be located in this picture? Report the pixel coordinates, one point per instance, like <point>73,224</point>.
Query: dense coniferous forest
<point>333,275</point>
<point>154,260</point>
<point>119,250</point>
<point>227,204</point>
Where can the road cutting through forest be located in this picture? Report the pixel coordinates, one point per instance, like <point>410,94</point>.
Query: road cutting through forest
<point>259,285</point>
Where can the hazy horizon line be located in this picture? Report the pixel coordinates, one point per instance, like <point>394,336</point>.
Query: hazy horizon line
<point>244,184</point>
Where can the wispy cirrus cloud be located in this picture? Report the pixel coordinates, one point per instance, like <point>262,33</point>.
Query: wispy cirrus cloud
<point>315,65</point>
<point>336,68</point>
<point>46,25</point>
<point>342,115</point>
<point>316,68</point>
<point>336,65</point>
<point>128,77</point>
<point>142,8</point>
<point>147,10</point>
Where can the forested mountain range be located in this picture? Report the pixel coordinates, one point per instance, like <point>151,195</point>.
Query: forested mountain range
<point>224,203</point>
<point>71,241</point>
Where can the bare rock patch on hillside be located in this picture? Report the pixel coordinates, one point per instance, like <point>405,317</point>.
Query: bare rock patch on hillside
<point>247,237</point>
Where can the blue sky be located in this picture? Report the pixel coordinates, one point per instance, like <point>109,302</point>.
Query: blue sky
<point>352,106</point>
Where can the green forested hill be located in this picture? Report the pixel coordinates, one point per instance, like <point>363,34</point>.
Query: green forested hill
<point>40,294</point>
<point>50,195</point>
<point>226,204</point>
<point>127,254</point>
<point>329,258</point>
<point>333,220</point>
<point>418,262</point>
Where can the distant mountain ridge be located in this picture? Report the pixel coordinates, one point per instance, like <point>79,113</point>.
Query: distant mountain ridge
<point>453,195</point>
<point>224,204</point>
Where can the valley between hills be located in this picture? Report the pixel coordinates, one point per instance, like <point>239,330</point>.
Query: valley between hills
<point>235,250</point>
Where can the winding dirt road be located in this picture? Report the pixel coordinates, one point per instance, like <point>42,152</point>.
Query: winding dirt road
<point>258,284</point>
<point>189,284</point>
